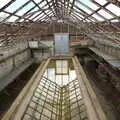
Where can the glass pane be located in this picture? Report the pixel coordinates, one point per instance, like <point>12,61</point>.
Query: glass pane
<point>105,14</point>
<point>87,20</point>
<point>116,20</point>
<point>61,67</point>
<point>90,4</point>
<point>12,19</point>
<point>78,14</point>
<point>114,9</point>
<point>37,1</point>
<point>101,2</point>
<point>15,5</point>
<point>59,101</point>
<point>98,17</point>
<point>21,20</point>
<point>4,2</point>
<point>83,8</point>
<point>25,9</point>
<point>47,11</point>
<point>34,15</point>
<point>71,1</point>
<point>72,75</point>
<point>49,0</point>
<point>43,17</point>
<point>34,10</point>
<point>43,4</point>
<point>3,15</point>
<point>75,17</point>
<point>38,17</point>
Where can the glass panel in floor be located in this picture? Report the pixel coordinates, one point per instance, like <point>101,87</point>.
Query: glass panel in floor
<point>57,96</point>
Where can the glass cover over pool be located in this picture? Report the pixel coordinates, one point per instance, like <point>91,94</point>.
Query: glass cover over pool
<point>58,95</point>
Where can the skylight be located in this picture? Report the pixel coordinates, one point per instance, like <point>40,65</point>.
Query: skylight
<point>12,19</point>
<point>116,20</point>
<point>34,10</point>
<point>78,14</point>
<point>3,15</point>
<point>25,9</point>
<point>98,17</point>
<point>39,16</point>
<point>35,15</point>
<point>89,4</point>
<point>101,2</point>
<point>105,14</point>
<point>61,67</point>
<point>114,9</point>
<point>15,5</point>
<point>21,20</point>
<point>37,1</point>
<point>83,8</point>
<point>43,4</point>
<point>80,10</point>
<point>4,2</point>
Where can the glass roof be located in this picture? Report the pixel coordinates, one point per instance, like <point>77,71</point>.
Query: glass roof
<point>4,2</point>
<point>114,9</point>
<point>37,10</point>
<point>101,2</point>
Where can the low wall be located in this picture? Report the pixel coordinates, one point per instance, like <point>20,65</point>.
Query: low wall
<point>10,62</point>
<point>111,50</point>
<point>40,54</point>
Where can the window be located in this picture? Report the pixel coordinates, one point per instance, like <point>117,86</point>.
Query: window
<point>33,10</point>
